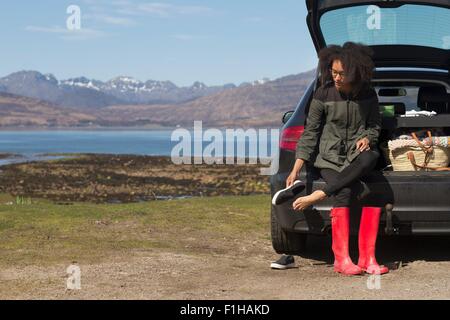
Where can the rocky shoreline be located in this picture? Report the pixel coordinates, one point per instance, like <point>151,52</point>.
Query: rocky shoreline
<point>127,178</point>
<point>8,155</point>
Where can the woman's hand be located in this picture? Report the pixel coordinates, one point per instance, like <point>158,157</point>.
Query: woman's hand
<point>363,144</point>
<point>291,178</point>
<point>294,173</point>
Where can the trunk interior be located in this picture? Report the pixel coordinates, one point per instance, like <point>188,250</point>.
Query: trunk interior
<point>416,95</point>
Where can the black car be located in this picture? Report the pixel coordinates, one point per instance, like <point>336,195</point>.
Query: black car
<point>411,42</point>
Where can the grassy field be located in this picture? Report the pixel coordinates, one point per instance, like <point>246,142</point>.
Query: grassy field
<point>45,233</point>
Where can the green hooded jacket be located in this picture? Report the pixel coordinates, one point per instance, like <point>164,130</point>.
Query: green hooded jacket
<point>337,122</point>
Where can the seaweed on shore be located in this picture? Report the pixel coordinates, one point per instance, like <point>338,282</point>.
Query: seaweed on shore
<point>128,178</point>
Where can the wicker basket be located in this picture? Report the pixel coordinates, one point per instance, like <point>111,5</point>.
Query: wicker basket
<point>421,158</point>
<point>440,157</point>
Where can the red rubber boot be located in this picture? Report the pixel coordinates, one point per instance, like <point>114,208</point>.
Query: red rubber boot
<point>340,230</point>
<point>368,231</point>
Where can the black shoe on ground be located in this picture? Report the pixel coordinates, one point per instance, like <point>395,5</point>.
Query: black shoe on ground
<point>288,193</point>
<point>285,262</point>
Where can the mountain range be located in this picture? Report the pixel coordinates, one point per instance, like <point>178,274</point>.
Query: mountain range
<point>30,98</point>
<point>88,93</point>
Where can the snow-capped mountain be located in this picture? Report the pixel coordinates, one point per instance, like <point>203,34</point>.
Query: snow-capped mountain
<point>46,87</point>
<point>136,91</point>
<point>252,104</point>
<point>152,92</point>
<point>89,93</point>
<point>82,82</point>
<point>262,81</point>
<point>254,83</point>
<point>256,104</point>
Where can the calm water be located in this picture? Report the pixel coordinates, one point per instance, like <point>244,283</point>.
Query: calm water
<point>117,142</point>
<point>31,144</point>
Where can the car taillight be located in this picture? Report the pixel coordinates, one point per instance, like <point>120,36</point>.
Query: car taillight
<point>290,136</point>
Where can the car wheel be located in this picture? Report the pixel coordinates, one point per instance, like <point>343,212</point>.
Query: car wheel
<point>284,242</point>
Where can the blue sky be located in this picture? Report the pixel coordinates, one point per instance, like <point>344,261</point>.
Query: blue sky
<point>183,41</point>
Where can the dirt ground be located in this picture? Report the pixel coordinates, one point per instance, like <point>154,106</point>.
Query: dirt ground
<point>243,273</point>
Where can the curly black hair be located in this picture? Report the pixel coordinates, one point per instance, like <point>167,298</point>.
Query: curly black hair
<point>356,59</point>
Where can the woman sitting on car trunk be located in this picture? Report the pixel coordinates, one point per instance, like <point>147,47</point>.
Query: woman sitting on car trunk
<point>344,119</point>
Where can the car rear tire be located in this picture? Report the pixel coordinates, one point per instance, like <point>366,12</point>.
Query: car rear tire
<point>284,242</point>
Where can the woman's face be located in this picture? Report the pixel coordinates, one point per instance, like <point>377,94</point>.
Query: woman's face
<point>337,72</point>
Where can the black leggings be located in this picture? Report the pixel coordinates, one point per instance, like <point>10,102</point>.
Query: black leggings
<point>343,185</point>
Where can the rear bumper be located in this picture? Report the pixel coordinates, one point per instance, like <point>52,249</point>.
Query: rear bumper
<point>420,204</point>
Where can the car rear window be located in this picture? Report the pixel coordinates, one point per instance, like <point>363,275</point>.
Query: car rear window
<point>413,100</point>
<point>410,100</point>
<point>419,25</point>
